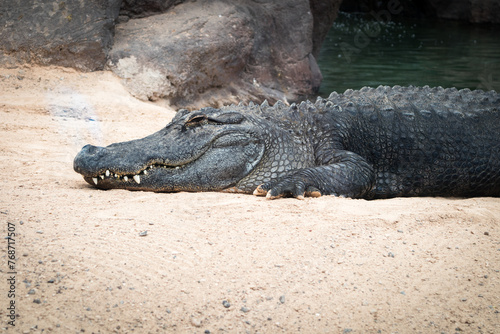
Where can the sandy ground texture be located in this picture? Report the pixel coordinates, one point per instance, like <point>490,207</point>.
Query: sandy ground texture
<point>119,262</point>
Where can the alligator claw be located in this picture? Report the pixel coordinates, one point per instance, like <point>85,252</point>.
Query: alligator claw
<point>259,191</point>
<point>274,193</point>
<point>313,193</point>
<point>271,196</point>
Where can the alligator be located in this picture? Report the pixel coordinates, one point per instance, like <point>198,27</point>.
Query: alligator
<point>369,143</point>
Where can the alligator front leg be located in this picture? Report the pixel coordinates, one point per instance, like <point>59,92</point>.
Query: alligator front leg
<point>346,174</point>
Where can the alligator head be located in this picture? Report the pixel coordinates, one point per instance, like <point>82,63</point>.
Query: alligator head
<point>206,150</point>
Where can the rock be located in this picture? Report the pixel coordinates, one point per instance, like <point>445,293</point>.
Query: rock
<point>192,53</point>
<point>195,322</point>
<point>214,52</point>
<point>144,8</point>
<point>72,33</point>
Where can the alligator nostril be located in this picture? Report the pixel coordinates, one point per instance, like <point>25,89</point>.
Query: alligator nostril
<point>91,149</point>
<point>86,161</point>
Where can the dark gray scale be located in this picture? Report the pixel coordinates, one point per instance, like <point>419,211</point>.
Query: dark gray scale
<point>420,141</point>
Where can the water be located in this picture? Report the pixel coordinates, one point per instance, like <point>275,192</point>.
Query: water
<point>361,51</point>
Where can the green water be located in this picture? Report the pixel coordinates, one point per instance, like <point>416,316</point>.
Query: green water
<point>361,51</point>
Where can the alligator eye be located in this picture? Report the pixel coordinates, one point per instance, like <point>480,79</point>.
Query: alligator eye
<point>197,120</point>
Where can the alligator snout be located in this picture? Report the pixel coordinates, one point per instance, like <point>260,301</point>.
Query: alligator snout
<point>91,149</point>
<point>87,159</point>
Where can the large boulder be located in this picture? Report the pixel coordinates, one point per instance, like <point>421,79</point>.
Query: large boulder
<point>215,52</point>
<point>188,52</point>
<point>73,33</point>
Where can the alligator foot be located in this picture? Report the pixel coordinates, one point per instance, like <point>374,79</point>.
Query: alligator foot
<point>275,192</point>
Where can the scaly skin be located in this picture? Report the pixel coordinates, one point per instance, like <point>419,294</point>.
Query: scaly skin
<point>371,143</point>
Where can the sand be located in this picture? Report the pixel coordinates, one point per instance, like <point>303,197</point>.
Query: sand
<point>117,261</point>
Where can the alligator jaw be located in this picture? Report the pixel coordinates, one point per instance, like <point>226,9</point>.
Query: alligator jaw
<point>110,179</point>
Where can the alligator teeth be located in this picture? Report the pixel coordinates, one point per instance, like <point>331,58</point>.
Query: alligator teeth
<point>137,178</point>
